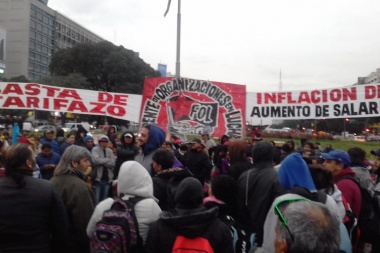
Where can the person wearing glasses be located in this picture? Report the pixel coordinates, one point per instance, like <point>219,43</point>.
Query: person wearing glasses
<point>305,226</point>
<point>295,176</point>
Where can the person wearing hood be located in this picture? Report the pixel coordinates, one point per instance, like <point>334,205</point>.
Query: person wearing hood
<point>89,142</point>
<point>60,136</point>
<point>218,154</point>
<point>104,162</point>
<point>189,219</point>
<point>112,133</point>
<point>78,198</point>
<point>125,151</point>
<point>151,138</point>
<point>362,171</point>
<point>80,135</point>
<point>257,188</point>
<point>134,181</point>
<point>166,178</point>
<point>48,137</point>
<point>295,176</point>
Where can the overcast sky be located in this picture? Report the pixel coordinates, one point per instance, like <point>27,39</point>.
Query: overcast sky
<point>316,44</point>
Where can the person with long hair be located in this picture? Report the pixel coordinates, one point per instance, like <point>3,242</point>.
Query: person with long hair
<point>32,215</point>
<point>239,162</point>
<point>69,181</point>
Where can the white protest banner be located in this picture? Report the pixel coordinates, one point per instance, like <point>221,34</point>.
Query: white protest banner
<point>353,102</point>
<point>51,98</point>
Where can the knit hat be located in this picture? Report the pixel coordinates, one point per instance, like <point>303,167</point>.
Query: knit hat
<point>189,194</point>
<point>87,138</point>
<point>103,138</point>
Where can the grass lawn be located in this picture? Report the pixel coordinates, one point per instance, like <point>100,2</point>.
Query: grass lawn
<point>340,144</point>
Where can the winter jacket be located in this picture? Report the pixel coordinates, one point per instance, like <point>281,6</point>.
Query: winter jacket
<point>337,196</point>
<point>63,147</point>
<point>53,143</point>
<point>134,181</point>
<point>189,219</point>
<point>254,202</point>
<point>165,184</point>
<point>239,167</point>
<point>78,200</point>
<point>350,190</point>
<point>42,160</point>
<point>100,161</point>
<point>363,175</point>
<point>32,218</point>
<point>271,220</point>
<point>198,163</point>
<point>112,136</point>
<point>125,152</point>
<point>179,155</point>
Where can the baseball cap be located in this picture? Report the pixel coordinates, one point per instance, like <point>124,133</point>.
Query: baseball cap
<point>376,152</point>
<point>338,155</point>
<point>195,140</point>
<point>128,135</point>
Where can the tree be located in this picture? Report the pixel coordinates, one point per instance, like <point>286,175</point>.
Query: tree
<point>105,66</point>
<point>73,80</point>
<point>18,79</point>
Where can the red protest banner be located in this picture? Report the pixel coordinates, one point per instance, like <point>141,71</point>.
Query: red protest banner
<point>189,106</point>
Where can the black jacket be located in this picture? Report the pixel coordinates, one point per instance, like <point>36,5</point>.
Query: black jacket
<point>32,218</point>
<point>165,184</point>
<point>239,167</point>
<point>198,163</point>
<point>189,223</point>
<point>125,152</point>
<point>263,188</point>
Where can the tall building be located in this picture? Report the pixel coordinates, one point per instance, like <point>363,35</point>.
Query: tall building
<point>34,33</point>
<point>374,77</point>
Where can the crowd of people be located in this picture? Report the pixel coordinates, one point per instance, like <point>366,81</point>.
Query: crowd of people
<point>54,190</point>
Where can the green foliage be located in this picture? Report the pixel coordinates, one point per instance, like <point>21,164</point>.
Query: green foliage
<point>73,80</point>
<point>17,79</point>
<point>104,66</point>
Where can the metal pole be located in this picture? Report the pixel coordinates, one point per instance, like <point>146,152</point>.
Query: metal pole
<point>178,59</point>
<point>344,128</point>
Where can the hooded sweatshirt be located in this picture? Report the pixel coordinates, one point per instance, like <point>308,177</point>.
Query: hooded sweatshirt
<point>294,172</point>
<point>134,181</point>
<point>155,140</point>
<point>350,190</point>
<point>189,219</point>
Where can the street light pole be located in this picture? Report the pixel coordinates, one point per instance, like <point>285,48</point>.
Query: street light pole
<point>178,57</point>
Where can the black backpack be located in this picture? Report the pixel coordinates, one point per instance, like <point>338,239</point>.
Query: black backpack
<point>369,218</point>
<point>118,231</point>
<point>244,241</point>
